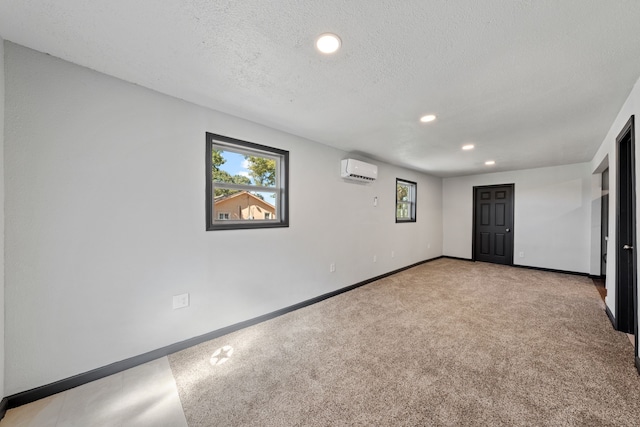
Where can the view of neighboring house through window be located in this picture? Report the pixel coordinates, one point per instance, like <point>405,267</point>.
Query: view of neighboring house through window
<point>405,200</point>
<point>246,184</point>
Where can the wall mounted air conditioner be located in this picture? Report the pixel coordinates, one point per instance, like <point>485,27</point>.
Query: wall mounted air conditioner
<point>358,171</point>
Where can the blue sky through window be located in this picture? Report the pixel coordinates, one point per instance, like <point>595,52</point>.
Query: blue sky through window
<point>235,164</point>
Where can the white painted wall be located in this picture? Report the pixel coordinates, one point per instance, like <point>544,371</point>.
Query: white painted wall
<point>105,204</point>
<point>608,153</point>
<point>595,268</point>
<point>551,215</point>
<point>1,218</point>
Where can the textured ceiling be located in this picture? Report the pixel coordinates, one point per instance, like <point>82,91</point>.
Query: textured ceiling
<point>530,82</point>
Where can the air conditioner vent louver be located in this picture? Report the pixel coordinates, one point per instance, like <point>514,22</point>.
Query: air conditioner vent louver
<point>366,178</point>
<point>358,170</point>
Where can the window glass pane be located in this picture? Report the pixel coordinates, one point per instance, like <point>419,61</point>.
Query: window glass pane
<point>239,168</point>
<point>404,192</point>
<point>405,201</point>
<point>402,211</point>
<point>246,206</point>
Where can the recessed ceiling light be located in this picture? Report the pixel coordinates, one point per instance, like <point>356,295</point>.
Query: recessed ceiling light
<point>328,43</point>
<point>468,147</point>
<point>490,162</point>
<point>428,118</point>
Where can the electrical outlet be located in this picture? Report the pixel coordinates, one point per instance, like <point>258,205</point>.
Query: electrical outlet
<point>375,258</point>
<point>521,254</point>
<point>332,267</point>
<point>393,254</point>
<point>180,301</point>
<point>428,245</point>
<point>375,202</point>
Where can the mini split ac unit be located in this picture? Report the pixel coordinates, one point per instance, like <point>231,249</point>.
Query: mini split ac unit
<point>358,171</point>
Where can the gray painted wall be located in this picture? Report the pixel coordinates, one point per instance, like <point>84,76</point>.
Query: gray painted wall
<point>552,215</point>
<point>105,223</point>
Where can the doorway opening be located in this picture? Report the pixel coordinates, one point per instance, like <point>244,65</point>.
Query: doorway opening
<point>604,224</point>
<point>601,280</point>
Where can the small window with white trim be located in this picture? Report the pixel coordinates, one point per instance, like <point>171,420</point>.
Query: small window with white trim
<point>247,184</point>
<point>405,200</point>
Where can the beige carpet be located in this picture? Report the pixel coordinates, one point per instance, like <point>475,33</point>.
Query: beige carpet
<point>447,343</point>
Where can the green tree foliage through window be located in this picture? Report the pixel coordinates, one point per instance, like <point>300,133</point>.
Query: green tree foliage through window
<point>403,192</point>
<point>261,169</point>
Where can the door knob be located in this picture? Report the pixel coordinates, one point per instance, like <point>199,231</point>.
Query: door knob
<point>508,230</point>
<point>627,247</point>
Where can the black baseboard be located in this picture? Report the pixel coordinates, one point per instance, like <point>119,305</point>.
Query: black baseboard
<point>638,364</point>
<point>552,270</point>
<point>4,405</point>
<point>458,258</point>
<point>611,317</point>
<point>41,392</point>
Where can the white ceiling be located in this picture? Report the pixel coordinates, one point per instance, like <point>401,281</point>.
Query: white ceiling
<point>530,82</point>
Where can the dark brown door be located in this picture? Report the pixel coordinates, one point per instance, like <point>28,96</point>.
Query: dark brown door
<point>493,224</point>
<point>626,282</point>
